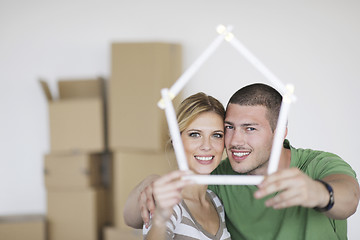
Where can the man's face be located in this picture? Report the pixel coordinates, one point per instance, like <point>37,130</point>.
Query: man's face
<point>248,138</point>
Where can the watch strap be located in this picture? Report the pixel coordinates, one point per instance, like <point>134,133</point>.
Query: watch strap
<point>331,199</point>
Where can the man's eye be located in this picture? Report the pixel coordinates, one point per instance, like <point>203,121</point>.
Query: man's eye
<point>194,134</point>
<point>250,129</point>
<point>228,127</point>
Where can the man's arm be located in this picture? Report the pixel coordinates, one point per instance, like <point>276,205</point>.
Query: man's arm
<point>346,193</point>
<point>297,189</point>
<point>139,203</point>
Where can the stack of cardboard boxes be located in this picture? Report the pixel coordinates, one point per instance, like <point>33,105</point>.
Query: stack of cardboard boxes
<point>20,227</point>
<point>138,132</point>
<point>88,173</point>
<point>78,202</point>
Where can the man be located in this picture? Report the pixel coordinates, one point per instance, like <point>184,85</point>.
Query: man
<point>309,197</point>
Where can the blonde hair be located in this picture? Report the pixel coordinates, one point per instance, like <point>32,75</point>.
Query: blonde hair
<point>191,107</point>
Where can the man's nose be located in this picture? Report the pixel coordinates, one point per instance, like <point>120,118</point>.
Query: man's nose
<point>238,138</point>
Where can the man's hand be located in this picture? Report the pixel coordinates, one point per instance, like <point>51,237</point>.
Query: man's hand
<point>294,189</point>
<point>147,203</point>
<point>297,189</point>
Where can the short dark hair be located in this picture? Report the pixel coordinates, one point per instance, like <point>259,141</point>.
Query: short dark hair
<point>259,94</point>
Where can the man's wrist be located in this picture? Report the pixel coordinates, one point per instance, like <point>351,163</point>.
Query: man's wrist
<point>331,201</point>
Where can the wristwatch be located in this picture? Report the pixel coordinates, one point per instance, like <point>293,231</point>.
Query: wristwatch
<point>331,200</point>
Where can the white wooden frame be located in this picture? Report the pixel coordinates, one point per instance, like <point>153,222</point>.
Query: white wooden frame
<point>169,94</point>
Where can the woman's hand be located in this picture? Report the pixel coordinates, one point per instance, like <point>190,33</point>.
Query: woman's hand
<point>166,193</point>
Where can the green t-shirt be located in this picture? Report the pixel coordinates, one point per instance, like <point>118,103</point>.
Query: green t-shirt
<point>248,218</point>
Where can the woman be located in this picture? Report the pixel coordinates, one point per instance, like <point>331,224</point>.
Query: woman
<point>184,209</point>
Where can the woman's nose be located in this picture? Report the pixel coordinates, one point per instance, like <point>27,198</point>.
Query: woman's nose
<point>205,145</point>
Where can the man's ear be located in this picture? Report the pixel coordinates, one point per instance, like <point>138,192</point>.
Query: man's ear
<point>286,131</point>
<point>285,134</point>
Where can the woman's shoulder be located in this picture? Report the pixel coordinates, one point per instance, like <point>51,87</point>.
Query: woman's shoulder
<point>216,200</point>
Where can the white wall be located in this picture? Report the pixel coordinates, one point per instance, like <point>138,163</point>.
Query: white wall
<point>312,44</point>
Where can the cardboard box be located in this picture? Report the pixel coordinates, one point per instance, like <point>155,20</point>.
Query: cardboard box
<point>20,227</point>
<point>75,171</point>
<point>111,233</point>
<point>74,215</point>
<point>139,71</point>
<point>77,118</point>
<point>129,169</point>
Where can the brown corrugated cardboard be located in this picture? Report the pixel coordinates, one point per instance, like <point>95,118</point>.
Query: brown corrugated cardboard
<point>74,215</point>
<point>20,227</point>
<point>77,118</point>
<point>139,71</point>
<point>86,88</point>
<point>74,171</point>
<point>111,233</point>
<point>129,168</point>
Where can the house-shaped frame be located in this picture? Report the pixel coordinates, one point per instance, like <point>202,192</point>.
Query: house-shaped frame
<point>168,94</point>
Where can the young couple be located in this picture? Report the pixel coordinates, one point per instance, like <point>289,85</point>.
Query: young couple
<point>309,197</point>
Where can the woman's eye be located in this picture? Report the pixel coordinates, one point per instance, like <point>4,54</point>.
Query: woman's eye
<point>194,134</point>
<point>218,135</point>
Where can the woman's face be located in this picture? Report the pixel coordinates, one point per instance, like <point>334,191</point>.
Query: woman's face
<point>203,142</point>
